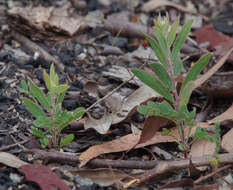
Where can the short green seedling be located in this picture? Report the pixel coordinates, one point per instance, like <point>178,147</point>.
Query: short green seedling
<point>167,47</point>
<point>47,109</point>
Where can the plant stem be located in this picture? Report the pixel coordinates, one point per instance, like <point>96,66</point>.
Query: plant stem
<point>177,101</point>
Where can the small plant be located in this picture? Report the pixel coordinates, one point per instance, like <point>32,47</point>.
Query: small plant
<point>176,96</point>
<point>47,109</point>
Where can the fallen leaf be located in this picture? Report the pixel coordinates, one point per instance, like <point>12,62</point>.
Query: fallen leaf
<point>44,176</point>
<point>213,70</point>
<point>227,115</point>
<point>103,176</point>
<point>127,108</point>
<point>11,160</point>
<point>100,125</point>
<point>200,148</point>
<point>128,142</point>
<point>141,95</point>
<point>154,4</point>
<point>227,141</point>
<point>208,34</point>
<point>92,88</point>
<point>151,126</point>
<point>122,144</point>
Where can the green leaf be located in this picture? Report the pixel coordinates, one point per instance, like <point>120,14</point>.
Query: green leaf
<point>153,83</point>
<point>64,119</point>
<point>56,79</point>
<point>61,88</point>
<point>181,146</point>
<point>172,33</point>
<point>43,122</point>
<point>202,134</point>
<point>185,93</point>
<point>165,132</point>
<point>157,49</point>
<point>60,99</point>
<point>39,95</point>
<point>196,69</point>
<point>34,108</point>
<point>162,74</point>
<point>143,110</point>
<point>180,39</point>
<point>38,133</point>
<point>78,112</point>
<point>178,66</point>
<point>66,140</point>
<point>52,78</point>
<point>44,142</point>
<point>162,41</point>
<point>166,109</point>
<point>24,86</point>
<point>47,80</point>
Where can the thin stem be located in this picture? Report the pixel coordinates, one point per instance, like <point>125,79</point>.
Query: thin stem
<point>177,101</point>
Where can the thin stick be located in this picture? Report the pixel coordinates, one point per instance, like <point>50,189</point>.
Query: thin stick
<point>113,91</point>
<point>13,145</point>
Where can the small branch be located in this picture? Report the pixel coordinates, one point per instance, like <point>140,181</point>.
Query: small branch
<point>166,166</point>
<point>13,145</point>
<point>212,173</point>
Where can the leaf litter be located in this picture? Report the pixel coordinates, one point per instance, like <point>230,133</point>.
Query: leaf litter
<point>56,24</point>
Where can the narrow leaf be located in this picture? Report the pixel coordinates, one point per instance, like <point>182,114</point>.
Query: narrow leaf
<point>162,74</point>
<point>172,33</point>
<point>66,140</point>
<point>162,41</point>
<point>34,108</point>
<point>60,99</point>
<point>153,83</point>
<point>38,94</point>
<point>185,93</point>
<point>38,133</point>
<point>178,66</point>
<point>61,88</point>
<point>181,38</point>
<point>78,112</point>
<point>47,80</point>
<point>24,85</point>
<point>158,52</point>
<point>196,69</point>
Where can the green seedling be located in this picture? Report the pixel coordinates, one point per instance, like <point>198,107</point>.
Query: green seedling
<point>51,119</point>
<point>167,45</point>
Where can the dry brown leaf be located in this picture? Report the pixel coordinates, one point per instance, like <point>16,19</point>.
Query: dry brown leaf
<point>11,160</point>
<point>154,4</point>
<point>200,148</point>
<point>130,104</point>
<point>92,88</point>
<point>128,142</point>
<point>100,125</point>
<point>122,144</point>
<point>213,70</point>
<point>227,115</point>
<point>227,141</point>
<point>151,126</point>
<point>103,176</point>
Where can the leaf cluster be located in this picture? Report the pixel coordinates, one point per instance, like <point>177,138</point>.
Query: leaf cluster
<point>47,109</point>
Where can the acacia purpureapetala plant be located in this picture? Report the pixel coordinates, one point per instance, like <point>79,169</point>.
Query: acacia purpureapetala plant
<point>167,45</point>
<point>47,109</point>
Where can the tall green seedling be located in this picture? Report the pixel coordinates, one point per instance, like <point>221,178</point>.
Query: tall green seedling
<point>50,118</point>
<point>167,45</point>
